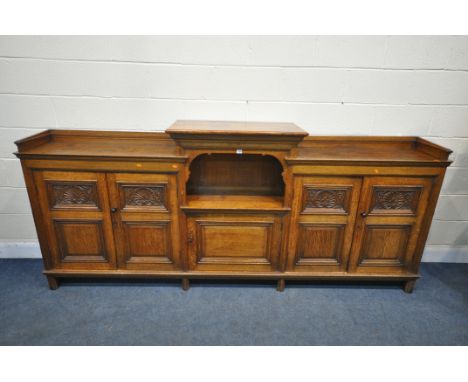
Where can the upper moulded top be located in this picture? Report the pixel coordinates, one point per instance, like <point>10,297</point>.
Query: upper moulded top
<point>236,135</point>
<point>236,128</point>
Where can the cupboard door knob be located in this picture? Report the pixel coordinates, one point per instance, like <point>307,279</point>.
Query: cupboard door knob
<point>113,209</point>
<point>190,238</point>
<point>363,214</point>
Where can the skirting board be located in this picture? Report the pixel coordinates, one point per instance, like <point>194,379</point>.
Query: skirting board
<point>432,253</point>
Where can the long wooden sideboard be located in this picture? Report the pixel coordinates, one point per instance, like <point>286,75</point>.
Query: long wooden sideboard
<point>238,200</point>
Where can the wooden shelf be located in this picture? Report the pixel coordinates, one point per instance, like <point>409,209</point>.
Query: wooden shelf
<point>235,128</point>
<point>236,135</point>
<point>235,203</point>
<point>369,150</point>
<point>231,174</point>
<point>100,144</point>
<point>158,146</point>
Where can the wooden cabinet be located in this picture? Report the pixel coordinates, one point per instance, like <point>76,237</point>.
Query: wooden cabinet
<point>144,211</point>
<point>231,200</point>
<point>75,209</point>
<point>324,214</point>
<point>391,212</point>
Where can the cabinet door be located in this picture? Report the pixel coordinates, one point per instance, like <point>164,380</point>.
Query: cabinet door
<point>234,242</point>
<point>391,211</point>
<point>75,208</point>
<point>324,211</point>
<point>145,215</point>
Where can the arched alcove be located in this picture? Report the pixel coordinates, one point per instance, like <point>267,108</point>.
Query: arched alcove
<point>233,174</point>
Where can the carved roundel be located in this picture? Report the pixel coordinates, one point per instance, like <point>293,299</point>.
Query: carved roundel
<point>325,199</point>
<point>144,196</point>
<point>72,195</point>
<point>397,199</point>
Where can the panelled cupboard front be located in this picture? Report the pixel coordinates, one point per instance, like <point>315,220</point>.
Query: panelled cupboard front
<point>358,224</point>
<point>231,200</point>
<point>110,220</point>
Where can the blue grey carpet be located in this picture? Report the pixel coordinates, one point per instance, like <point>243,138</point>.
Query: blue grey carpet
<point>160,313</point>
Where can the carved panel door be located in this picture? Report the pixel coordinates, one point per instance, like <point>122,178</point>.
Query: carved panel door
<point>145,216</point>
<point>75,208</point>
<point>324,211</point>
<point>391,211</point>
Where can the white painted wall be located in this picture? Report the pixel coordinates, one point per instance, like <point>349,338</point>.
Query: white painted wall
<point>373,85</point>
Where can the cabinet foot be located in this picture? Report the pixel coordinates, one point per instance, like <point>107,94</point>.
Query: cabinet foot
<point>53,282</point>
<point>409,286</point>
<point>280,286</point>
<point>185,284</point>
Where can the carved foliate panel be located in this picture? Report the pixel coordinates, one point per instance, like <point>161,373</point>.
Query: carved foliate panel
<point>144,196</point>
<point>63,195</point>
<point>400,200</point>
<point>325,200</point>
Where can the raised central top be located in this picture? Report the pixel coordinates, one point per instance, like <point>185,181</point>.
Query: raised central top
<point>217,135</point>
<point>237,128</point>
